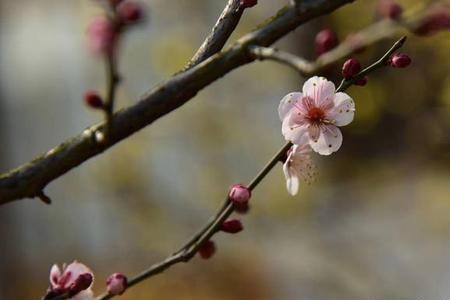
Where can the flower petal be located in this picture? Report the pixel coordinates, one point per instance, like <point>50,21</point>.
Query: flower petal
<point>320,89</point>
<point>292,180</point>
<point>344,110</point>
<point>75,269</point>
<point>55,273</point>
<point>287,103</point>
<point>330,140</point>
<point>295,131</point>
<point>314,132</point>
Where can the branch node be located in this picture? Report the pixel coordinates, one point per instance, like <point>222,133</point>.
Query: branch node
<point>44,198</point>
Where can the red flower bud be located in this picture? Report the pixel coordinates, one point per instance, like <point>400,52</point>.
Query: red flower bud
<point>362,81</point>
<point>207,249</point>
<point>232,226</point>
<point>400,60</point>
<point>82,282</point>
<point>437,19</point>
<point>239,194</point>
<point>242,208</point>
<point>92,99</point>
<point>116,284</point>
<point>101,36</point>
<point>248,3</point>
<point>129,11</point>
<point>350,68</point>
<point>325,41</point>
<point>389,9</point>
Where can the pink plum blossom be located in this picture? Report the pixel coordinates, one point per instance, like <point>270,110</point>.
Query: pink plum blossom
<point>313,116</point>
<point>75,279</point>
<point>101,36</point>
<point>298,165</point>
<point>116,284</point>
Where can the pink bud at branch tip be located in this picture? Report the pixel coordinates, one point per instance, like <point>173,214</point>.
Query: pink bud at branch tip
<point>239,194</point>
<point>93,100</point>
<point>247,3</point>
<point>207,249</point>
<point>400,60</point>
<point>116,284</point>
<point>325,41</point>
<point>350,68</point>
<point>232,226</point>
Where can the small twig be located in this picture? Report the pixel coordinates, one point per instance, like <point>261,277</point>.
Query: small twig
<point>220,33</point>
<point>191,247</point>
<point>301,65</point>
<point>44,198</point>
<point>383,61</point>
<point>204,234</point>
<point>112,83</point>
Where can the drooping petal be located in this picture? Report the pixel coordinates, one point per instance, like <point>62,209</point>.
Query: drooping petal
<point>292,180</point>
<point>295,130</point>
<point>55,273</point>
<point>314,132</point>
<point>75,269</point>
<point>319,89</point>
<point>330,140</point>
<point>287,103</point>
<point>343,111</point>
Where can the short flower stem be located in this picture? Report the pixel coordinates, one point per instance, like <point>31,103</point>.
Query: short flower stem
<point>190,248</point>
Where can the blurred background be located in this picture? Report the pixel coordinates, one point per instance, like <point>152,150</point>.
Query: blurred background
<point>374,225</point>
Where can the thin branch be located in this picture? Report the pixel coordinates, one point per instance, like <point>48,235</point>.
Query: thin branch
<point>301,65</point>
<point>383,61</point>
<point>220,33</point>
<point>31,178</point>
<point>111,87</point>
<point>378,31</point>
<point>191,247</point>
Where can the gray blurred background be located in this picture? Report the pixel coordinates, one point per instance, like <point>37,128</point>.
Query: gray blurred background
<point>374,225</point>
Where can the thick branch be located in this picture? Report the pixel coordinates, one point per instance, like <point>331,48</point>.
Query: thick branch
<point>362,39</point>
<point>220,33</point>
<point>30,179</point>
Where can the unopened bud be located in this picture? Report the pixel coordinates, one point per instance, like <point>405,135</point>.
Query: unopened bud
<point>400,60</point>
<point>116,284</point>
<point>239,194</point>
<point>389,9</point>
<point>350,68</point>
<point>362,82</point>
<point>207,249</point>
<point>93,99</point>
<point>82,282</point>
<point>247,3</point>
<point>101,36</point>
<point>325,41</point>
<point>242,208</point>
<point>438,19</point>
<point>232,226</point>
<point>129,11</point>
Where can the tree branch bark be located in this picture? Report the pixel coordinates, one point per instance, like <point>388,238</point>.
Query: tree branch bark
<point>30,179</point>
<point>220,33</point>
